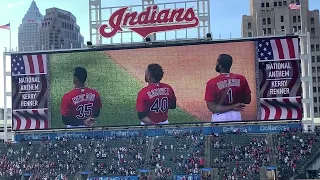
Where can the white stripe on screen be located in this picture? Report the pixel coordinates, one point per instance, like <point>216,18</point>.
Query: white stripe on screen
<point>285,48</point>
<point>296,47</point>
<point>272,112</point>
<point>41,124</point>
<point>14,124</point>
<point>274,49</point>
<point>294,110</point>
<point>42,113</point>
<point>33,123</point>
<point>35,64</point>
<point>284,111</point>
<point>23,122</point>
<point>26,64</point>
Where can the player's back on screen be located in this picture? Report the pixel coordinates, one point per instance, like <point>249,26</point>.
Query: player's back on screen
<point>155,99</point>
<point>227,89</point>
<point>81,103</point>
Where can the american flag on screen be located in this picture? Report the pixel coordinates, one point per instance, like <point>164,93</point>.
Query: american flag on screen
<point>29,64</point>
<point>286,106</point>
<point>281,109</point>
<point>277,49</point>
<point>25,117</point>
<point>30,119</point>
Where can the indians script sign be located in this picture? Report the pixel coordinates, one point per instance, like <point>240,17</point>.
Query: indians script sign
<point>150,21</point>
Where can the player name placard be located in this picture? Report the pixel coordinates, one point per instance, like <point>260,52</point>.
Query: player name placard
<point>29,91</point>
<point>279,78</point>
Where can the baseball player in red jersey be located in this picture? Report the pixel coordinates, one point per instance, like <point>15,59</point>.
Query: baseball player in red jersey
<point>80,106</point>
<point>227,94</point>
<point>154,100</point>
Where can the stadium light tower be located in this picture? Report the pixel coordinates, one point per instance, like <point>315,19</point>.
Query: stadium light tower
<point>204,16</point>
<point>95,20</point>
<point>145,4</point>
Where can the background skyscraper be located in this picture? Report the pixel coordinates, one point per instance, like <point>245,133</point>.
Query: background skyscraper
<point>59,30</point>
<point>273,17</point>
<point>28,37</point>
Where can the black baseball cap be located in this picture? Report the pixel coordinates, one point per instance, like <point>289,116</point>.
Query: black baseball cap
<point>81,74</point>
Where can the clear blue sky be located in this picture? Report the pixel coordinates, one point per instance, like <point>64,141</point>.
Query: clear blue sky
<point>225,17</point>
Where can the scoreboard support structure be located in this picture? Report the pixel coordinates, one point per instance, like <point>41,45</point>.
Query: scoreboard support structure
<point>6,94</point>
<point>307,83</point>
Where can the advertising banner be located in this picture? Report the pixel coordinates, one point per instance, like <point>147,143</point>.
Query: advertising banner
<point>115,178</point>
<point>271,128</point>
<point>189,177</point>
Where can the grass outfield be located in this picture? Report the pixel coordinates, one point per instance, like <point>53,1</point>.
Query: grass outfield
<point>118,89</point>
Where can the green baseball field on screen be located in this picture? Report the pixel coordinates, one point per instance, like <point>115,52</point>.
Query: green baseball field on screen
<point>118,89</point>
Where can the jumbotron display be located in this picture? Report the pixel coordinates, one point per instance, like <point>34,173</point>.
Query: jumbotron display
<point>218,82</point>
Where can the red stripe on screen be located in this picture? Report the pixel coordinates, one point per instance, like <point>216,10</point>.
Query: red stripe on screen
<point>287,102</point>
<point>18,120</point>
<point>280,48</point>
<point>40,62</point>
<point>28,122</point>
<point>31,66</point>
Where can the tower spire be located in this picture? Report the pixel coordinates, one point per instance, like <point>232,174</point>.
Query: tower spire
<point>33,14</point>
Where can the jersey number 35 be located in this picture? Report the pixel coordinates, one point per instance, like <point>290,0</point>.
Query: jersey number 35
<point>84,110</point>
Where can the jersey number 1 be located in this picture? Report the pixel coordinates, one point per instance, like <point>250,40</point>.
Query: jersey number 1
<point>230,97</point>
<point>160,105</point>
<point>85,110</point>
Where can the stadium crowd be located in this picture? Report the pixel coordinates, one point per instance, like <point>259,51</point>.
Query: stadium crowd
<point>182,153</point>
<point>119,156</point>
<point>236,155</point>
<point>62,156</point>
<point>239,155</point>
<point>15,159</point>
<point>294,148</point>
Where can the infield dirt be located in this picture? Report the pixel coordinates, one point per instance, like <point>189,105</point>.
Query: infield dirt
<point>188,68</point>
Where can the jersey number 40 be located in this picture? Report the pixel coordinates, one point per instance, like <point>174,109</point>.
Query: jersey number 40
<point>84,110</point>
<point>160,105</point>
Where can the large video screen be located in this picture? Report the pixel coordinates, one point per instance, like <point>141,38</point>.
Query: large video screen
<point>44,91</point>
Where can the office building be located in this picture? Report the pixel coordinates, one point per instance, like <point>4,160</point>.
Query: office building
<point>28,36</point>
<point>273,17</point>
<point>59,30</point>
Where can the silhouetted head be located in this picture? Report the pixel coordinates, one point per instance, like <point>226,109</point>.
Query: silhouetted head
<point>154,73</point>
<point>224,63</point>
<point>79,76</point>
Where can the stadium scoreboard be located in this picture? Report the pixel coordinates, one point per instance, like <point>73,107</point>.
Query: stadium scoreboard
<point>270,65</point>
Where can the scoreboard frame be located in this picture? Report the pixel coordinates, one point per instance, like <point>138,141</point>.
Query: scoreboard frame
<point>305,57</point>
